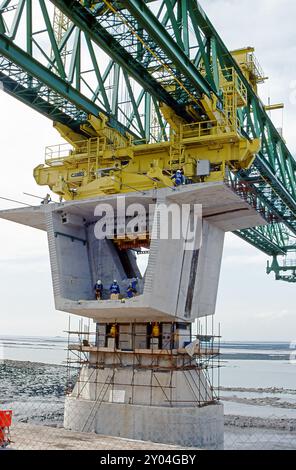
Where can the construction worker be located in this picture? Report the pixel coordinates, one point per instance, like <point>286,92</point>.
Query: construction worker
<point>179,178</point>
<point>47,199</point>
<point>130,291</point>
<point>114,288</point>
<point>134,285</point>
<point>132,288</point>
<point>99,289</point>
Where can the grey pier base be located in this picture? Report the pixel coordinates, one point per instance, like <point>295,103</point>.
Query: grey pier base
<point>198,427</point>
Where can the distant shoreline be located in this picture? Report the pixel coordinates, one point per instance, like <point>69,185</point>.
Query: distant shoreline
<point>255,356</point>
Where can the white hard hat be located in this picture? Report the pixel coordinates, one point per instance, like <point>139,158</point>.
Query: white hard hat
<point>99,281</point>
<point>115,282</point>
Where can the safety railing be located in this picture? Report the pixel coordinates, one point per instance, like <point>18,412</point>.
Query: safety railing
<point>57,152</point>
<point>232,85</point>
<point>90,148</point>
<point>205,129</point>
<point>255,68</point>
<point>289,263</point>
<point>246,192</point>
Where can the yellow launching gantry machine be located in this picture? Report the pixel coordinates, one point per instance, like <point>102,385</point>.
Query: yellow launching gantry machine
<point>107,162</point>
<point>140,89</point>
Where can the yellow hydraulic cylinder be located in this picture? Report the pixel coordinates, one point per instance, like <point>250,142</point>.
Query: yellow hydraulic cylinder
<point>113,331</point>
<point>155,330</point>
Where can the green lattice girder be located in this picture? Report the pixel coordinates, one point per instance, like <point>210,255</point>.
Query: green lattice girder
<point>63,83</point>
<point>102,50</point>
<point>283,272</point>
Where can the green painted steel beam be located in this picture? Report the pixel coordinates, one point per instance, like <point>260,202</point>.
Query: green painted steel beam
<point>261,117</point>
<point>171,48</point>
<point>27,63</point>
<point>33,68</point>
<point>85,72</point>
<point>260,241</point>
<point>268,172</point>
<point>71,117</point>
<point>87,22</point>
<point>277,268</point>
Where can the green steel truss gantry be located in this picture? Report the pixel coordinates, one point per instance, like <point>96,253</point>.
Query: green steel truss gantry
<point>124,58</point>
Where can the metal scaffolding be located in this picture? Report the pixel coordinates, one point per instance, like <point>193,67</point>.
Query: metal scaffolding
<point>169,350</point>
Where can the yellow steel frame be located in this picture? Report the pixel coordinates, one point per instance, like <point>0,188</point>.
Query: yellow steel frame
<point>108,163</point>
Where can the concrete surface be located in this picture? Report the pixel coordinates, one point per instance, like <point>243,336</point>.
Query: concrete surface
<point>177,388</point>
<point>32,437</point>
<point>189,279</point>
<point>190,427</point>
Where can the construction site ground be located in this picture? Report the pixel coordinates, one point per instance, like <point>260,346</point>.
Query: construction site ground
<point>33,437</point>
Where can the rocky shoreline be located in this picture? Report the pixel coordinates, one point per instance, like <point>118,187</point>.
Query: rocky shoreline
<point>283,424</point>
<point>259,390</point>
<point>36,391</point>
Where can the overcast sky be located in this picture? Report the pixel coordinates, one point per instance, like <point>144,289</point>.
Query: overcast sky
<point>251,305</point>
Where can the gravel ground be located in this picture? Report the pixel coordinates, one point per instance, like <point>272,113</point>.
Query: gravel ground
<point>264,401</point>
<point>36,393</point>
<point>249,437</point>
<point>32,437</point>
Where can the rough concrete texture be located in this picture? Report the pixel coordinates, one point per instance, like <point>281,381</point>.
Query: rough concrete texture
<point>142,387</point>
<point>32,437</point>
<point>189,278</point>
<point>190,427</point>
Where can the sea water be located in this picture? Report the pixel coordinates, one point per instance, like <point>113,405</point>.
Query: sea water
<point>243,364</point>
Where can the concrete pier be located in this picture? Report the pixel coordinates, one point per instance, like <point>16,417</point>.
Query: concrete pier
<point>135,383</point>
<point>200,427</point>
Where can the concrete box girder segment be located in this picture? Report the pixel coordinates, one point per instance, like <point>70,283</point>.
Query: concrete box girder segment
<point>179,284</point>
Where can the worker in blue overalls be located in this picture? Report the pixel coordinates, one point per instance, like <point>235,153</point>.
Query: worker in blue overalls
<point>179,178</point>
<point>132,288</point>
<point>129,291</point>
<point>114,288</point>
<point>99,289</point>
<point>134,285</point>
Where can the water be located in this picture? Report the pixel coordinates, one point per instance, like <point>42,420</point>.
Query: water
<point>258,374</point>
<point>256,350</point>
<point>258,411</point>
<point>245,364</point>
<point>48,350</point>
<point>257,365</point>
<point>251,366</point>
